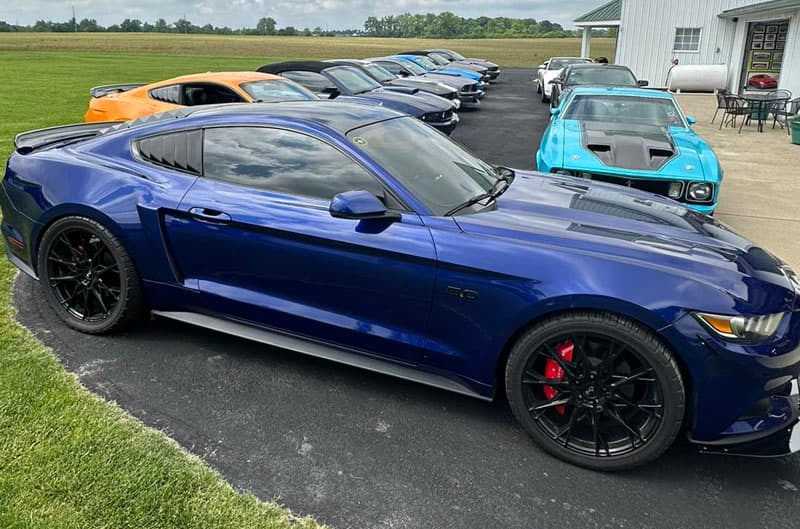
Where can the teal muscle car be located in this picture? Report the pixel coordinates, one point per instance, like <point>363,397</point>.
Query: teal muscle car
<point>632,137</point>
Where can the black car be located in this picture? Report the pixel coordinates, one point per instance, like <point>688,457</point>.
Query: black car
<point>402,84</point>
<point>335,80</point>
<point>592,74</point>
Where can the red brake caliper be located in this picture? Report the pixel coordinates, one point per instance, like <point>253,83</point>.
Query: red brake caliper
<point>553,371</point>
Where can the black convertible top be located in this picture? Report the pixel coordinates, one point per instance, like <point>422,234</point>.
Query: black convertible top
<point>305,66</point>
<point>418,52</point>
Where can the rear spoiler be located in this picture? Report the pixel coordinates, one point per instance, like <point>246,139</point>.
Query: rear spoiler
<point>100,91</point>
<point>26,142</point>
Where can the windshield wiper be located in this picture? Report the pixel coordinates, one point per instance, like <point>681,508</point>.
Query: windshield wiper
<point>496,190</point>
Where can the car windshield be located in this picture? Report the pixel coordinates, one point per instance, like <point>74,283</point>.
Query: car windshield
<point>438,171</point>
<point>601,76</point>
<point>456,56</point>
<point>277,90</point>
<point>415,68</point>
<point>438,59</point>
<point>353,80</point>
<point>624,109</point>
<point>379,72</point>
<point>426,63</point>
<point>558,64</point>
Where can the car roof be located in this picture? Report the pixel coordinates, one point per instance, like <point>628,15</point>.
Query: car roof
<point>223,77</point>
<point>620,91</point>
<point>339,116</point>
<point>307,66</point>
<point>597,66</point>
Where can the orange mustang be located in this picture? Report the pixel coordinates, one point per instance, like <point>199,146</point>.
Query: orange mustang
<point>123,102</point>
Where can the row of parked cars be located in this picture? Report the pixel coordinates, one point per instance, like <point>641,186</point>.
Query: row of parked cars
<point>612,319</point>
<point>605,126</point>
<point>431,85</point>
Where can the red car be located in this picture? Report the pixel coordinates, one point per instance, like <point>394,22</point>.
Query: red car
<point>762,80</point>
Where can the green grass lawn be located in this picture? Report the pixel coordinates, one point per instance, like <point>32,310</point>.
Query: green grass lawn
<point>67,458</point>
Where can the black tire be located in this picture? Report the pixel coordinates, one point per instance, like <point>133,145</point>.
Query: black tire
<point>538,87</point>
<point>653,373</point>
<point>545,99</point>
<point>95,298</point>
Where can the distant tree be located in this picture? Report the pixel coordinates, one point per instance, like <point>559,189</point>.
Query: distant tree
<point>266,26</point>
<point>183,26</point>
<point>89,25</point>
<point>288,31</point>
<point>131,25</point>
<point>161,26</point>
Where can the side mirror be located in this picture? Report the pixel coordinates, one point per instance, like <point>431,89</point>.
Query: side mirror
<point>360,205</point>
<point>641,82</point>
<point>555,111</point>
<point>691,120</point>
<point>331,91</point>
<point>542,66</point>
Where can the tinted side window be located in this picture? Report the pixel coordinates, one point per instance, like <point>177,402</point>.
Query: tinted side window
<point>312,80</point>
<point>282,161</point>
<point>208,94</point>
<point>177,150</point>
<point>167,94</point>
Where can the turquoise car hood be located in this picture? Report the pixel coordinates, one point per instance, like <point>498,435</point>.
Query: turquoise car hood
<point>636,151</point>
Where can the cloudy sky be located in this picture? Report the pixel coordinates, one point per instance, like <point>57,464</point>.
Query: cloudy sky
<point>334,14</point>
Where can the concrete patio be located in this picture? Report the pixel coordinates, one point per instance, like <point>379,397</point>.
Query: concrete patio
<point>760,196</point>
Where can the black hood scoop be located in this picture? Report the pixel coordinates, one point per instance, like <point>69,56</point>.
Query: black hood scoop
<point>639,148</point>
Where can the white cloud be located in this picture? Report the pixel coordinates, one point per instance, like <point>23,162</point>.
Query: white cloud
<point>333,14</point>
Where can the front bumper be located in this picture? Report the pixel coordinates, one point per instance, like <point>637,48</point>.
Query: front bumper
<point>446,127</point>
<point>744,396</point>
<point>468,98</point>
<point>777,438</point>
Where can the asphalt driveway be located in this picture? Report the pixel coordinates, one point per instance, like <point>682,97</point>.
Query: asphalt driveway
<point>361,450</point>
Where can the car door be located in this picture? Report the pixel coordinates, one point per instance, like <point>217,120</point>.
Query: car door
<point>255,237</point>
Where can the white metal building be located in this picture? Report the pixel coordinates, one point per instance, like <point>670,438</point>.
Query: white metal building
<point>758,41</point>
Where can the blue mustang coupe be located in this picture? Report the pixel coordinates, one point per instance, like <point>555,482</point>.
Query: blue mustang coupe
<point>612,319</point>
<point>633,137</point>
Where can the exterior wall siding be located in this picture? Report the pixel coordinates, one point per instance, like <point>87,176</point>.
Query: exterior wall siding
<point>647,34</point>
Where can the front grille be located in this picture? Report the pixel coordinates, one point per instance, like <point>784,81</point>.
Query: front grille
<point>493,68</point>
<point>438,116</point>
<point>450,95</point>
<point>470,88</point>
<point>658,187</point>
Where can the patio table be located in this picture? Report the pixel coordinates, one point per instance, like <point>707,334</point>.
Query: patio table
<point>760,105</point>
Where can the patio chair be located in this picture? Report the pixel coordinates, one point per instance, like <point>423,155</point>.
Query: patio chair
<point>720,102</point>
<point>735,107</point>
<point>783,110</point>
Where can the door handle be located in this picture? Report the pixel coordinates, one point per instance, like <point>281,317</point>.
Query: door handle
<point>211,216</point>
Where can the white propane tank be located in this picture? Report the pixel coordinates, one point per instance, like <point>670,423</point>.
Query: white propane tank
<point>698,77</point>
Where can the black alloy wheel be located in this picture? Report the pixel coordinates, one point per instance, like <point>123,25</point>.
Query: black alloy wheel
<point>597,390</point>
<point>88,278</point>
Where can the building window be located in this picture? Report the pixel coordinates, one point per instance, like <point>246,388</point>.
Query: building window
<point>687,39</point>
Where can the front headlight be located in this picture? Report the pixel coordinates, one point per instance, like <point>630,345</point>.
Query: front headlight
<point>793,278</point>
<point>675,190</point>
<point>700,192</point>
<point>742,327</point>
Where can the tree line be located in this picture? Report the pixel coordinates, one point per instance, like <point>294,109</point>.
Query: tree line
<point>443,25</point>
<point>265,26</point>
<point>447,25</point>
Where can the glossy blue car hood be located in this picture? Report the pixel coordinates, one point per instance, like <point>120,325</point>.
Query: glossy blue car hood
<point>686,161</point>
<point>622,223</point>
